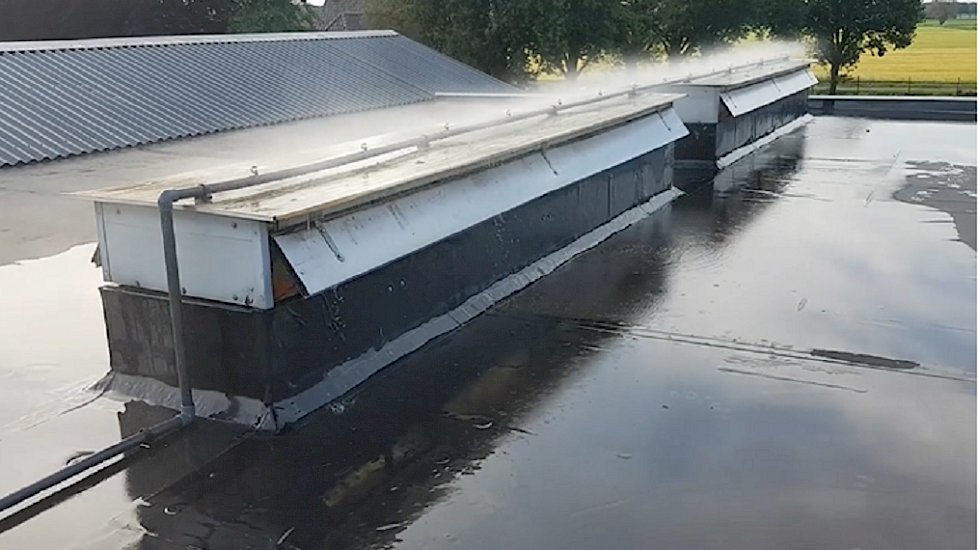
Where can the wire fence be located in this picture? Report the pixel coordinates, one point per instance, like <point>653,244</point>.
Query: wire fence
<point>908,86</point>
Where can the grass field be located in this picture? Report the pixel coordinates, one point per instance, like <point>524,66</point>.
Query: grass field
<point>941,61</point>
<point>938,54</point>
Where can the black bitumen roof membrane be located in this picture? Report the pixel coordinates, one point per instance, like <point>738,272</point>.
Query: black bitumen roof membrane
<point>783,359</point>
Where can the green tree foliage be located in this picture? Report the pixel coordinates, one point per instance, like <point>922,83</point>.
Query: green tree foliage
<point>491,35</point>
<point>75,19</point>
<point>71,19</point>
<point>569,35</point>
<point>683,27</point>
<point>249,16</point>
<point>784,19</point>
<point>845,29</point>
<point>941,10</point>
<point>636,30</point>
<point>676,28</point>
<point>501,36</point>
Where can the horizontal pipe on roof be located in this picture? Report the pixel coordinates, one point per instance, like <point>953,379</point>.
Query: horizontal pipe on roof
<point>205,191</point>
<point>701,80</point>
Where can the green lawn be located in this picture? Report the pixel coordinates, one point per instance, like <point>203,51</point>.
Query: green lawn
<point>952,24</point>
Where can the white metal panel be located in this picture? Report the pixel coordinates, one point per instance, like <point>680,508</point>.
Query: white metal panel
<point>744,100</point>
<point>340,249</point>
<point>221,259</point>
<point>795,82</point>
<point>700,106</point>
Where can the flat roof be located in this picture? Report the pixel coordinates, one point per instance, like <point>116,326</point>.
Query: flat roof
<point>346,187</point>
<point>657,390</point>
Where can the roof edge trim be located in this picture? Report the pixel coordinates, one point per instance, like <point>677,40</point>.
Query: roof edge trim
<point>176,40</point>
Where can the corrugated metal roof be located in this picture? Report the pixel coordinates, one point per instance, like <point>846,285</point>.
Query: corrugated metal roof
<point>64,98</point>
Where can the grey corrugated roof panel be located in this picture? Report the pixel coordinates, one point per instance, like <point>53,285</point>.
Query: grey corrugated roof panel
<point>138,41</point>
<point>65,98</point>
<point>412,61</point>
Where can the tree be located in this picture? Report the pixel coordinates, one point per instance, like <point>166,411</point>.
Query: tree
<point>569,35</point>
<point>77,19</point>
<point>780,19</point>
<point>249,16</point>
<point>493,36</point>
<point>683,27</point>
<point>845,29</point>
<point>942,10</point>
<point>168,17</point>
<point>636,38</point>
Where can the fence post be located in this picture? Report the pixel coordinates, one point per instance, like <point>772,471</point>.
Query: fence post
<point>857,85</point>
<point>957,89</point>
<point>909,82</point>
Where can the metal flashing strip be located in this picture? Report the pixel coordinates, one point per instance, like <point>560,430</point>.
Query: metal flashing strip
<point>337,250</point>
<point>742,152</point>
<point>209,404</point>
<point>796,82</point>
<point>145,41</point>
<point>740,101</point>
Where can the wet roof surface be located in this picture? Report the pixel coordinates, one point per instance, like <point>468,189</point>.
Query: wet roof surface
<point>658,390</point>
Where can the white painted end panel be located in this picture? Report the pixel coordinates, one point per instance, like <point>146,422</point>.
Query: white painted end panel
<point>340,249</point>
<point>220,259</point>
<point>746,99</point>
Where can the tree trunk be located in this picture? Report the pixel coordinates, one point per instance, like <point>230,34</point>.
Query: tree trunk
<point>570,73</point>
<point>834,78</point>
<point>674,51</point>
<point>631,63</point>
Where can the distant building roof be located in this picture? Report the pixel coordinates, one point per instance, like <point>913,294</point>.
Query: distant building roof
<point>63,98</point>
